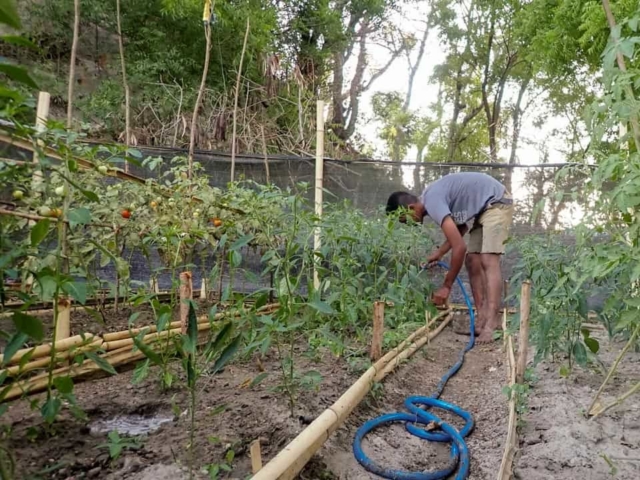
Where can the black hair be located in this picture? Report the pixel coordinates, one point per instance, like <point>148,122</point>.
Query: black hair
<point>400,200</point>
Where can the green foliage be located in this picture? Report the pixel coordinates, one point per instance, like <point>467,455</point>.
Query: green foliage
<point>117,444</point>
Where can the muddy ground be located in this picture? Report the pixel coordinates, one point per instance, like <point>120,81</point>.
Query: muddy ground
<point>556,441</point>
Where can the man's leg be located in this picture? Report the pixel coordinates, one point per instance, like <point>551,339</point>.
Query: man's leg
<point>478,282</point>
<point>477,279</point>
<point>496,222</point>
<point>493,275</point>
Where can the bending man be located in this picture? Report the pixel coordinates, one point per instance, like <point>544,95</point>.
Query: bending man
<point>452,202</point>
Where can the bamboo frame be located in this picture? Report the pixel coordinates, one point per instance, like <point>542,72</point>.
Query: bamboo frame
<point>506,469</point>
<point>288,463</point>
<point>45,349</point>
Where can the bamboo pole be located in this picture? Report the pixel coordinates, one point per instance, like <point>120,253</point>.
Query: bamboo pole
<point>63,325</point>
<point>235,104</point>
<point>127,108</point>
<point>206,20</point>
<point>319,187</point>
<point>61,345</point>
<point>511,443</point>
<point>42,115</point>
<point>288,463</point>
<point>378,330</point>
<point>60,356</point>
<point>72,61</point>
<point>203,288</point>
<point>523,346</point>
<point>186,295</point>
<point>256,456</point>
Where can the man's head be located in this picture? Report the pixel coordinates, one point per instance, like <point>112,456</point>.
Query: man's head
<point>406,201</point>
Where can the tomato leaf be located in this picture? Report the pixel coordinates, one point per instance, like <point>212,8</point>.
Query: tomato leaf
<point>78,290</point>
<point>29,325</point>
<point>226,355</point>
<point>101,362</point>
<point>40,231</point>
<point>16,73</point>
<point>592,344</point>
<point>63,384</point>
<point>148,352</point>
<point>9,14</point>
<point>79,216</point>
<point>322,307</point>
<point>14,344</point>
<point>241,242</point>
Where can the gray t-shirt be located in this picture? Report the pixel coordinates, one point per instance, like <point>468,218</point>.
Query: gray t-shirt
<point>461,195</point>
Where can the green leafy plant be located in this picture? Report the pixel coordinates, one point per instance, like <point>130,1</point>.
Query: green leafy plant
<point>116,444</point>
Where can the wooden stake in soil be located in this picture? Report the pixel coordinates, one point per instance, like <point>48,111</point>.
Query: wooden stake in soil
<point>523,346</point>
<point>256,456</point>
<point>186,295</point>
<point>378,330</point>
<point>72,61</point>
<point>63,324</point>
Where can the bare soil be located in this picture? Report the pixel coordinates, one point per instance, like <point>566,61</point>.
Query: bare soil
<point>556,441</point>
<point>559,442</point>
<point>71,449</point>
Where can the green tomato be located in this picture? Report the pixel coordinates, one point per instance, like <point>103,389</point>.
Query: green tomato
<point>18,194</point>
<point>44,211</point>
<point>60,191</point>
<point>103,169</point>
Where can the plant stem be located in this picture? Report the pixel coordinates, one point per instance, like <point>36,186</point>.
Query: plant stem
<point>235,105</point>
<point>619,400</point>
<point>192,433</point>
<point>614,367</point>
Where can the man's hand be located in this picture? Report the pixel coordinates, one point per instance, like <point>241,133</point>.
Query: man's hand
<point>431,260</point>
<point>441,296</point>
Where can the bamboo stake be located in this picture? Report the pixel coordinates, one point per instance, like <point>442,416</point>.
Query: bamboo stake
<point>378,330</point>
<point>127,109</point>
<point>42,115</point>
<point>235,104</point>
<point>511,443</point>
<point>63,325</point>
<point>613,368</point>
<point>72,61</point>
<point>319,185</point>
<point>264,153</point>
<point>44,350</point>
<point>523,347</point>
<point>288,463</point>
<point>206,19</point>
<point>256,456</point>
<point>186,295</point>
<point>203,288</point>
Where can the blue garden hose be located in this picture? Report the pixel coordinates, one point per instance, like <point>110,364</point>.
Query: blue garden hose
<point>459,458</point>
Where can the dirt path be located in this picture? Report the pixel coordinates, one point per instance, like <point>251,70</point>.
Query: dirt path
<point>477,388</point>
<point>557,440</point>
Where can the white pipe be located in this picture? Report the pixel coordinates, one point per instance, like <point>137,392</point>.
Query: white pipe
<point>319,182</point>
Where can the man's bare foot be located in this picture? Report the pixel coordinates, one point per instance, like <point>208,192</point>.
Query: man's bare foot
<point>486,336</point>
<point>479,324</point>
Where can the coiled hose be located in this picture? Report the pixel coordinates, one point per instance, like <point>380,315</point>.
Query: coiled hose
<point>459,458</point>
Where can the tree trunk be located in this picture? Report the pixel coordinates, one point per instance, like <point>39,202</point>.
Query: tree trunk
<point>515,135</point>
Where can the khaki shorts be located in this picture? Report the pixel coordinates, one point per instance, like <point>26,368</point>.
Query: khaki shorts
<point>491,229</point>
